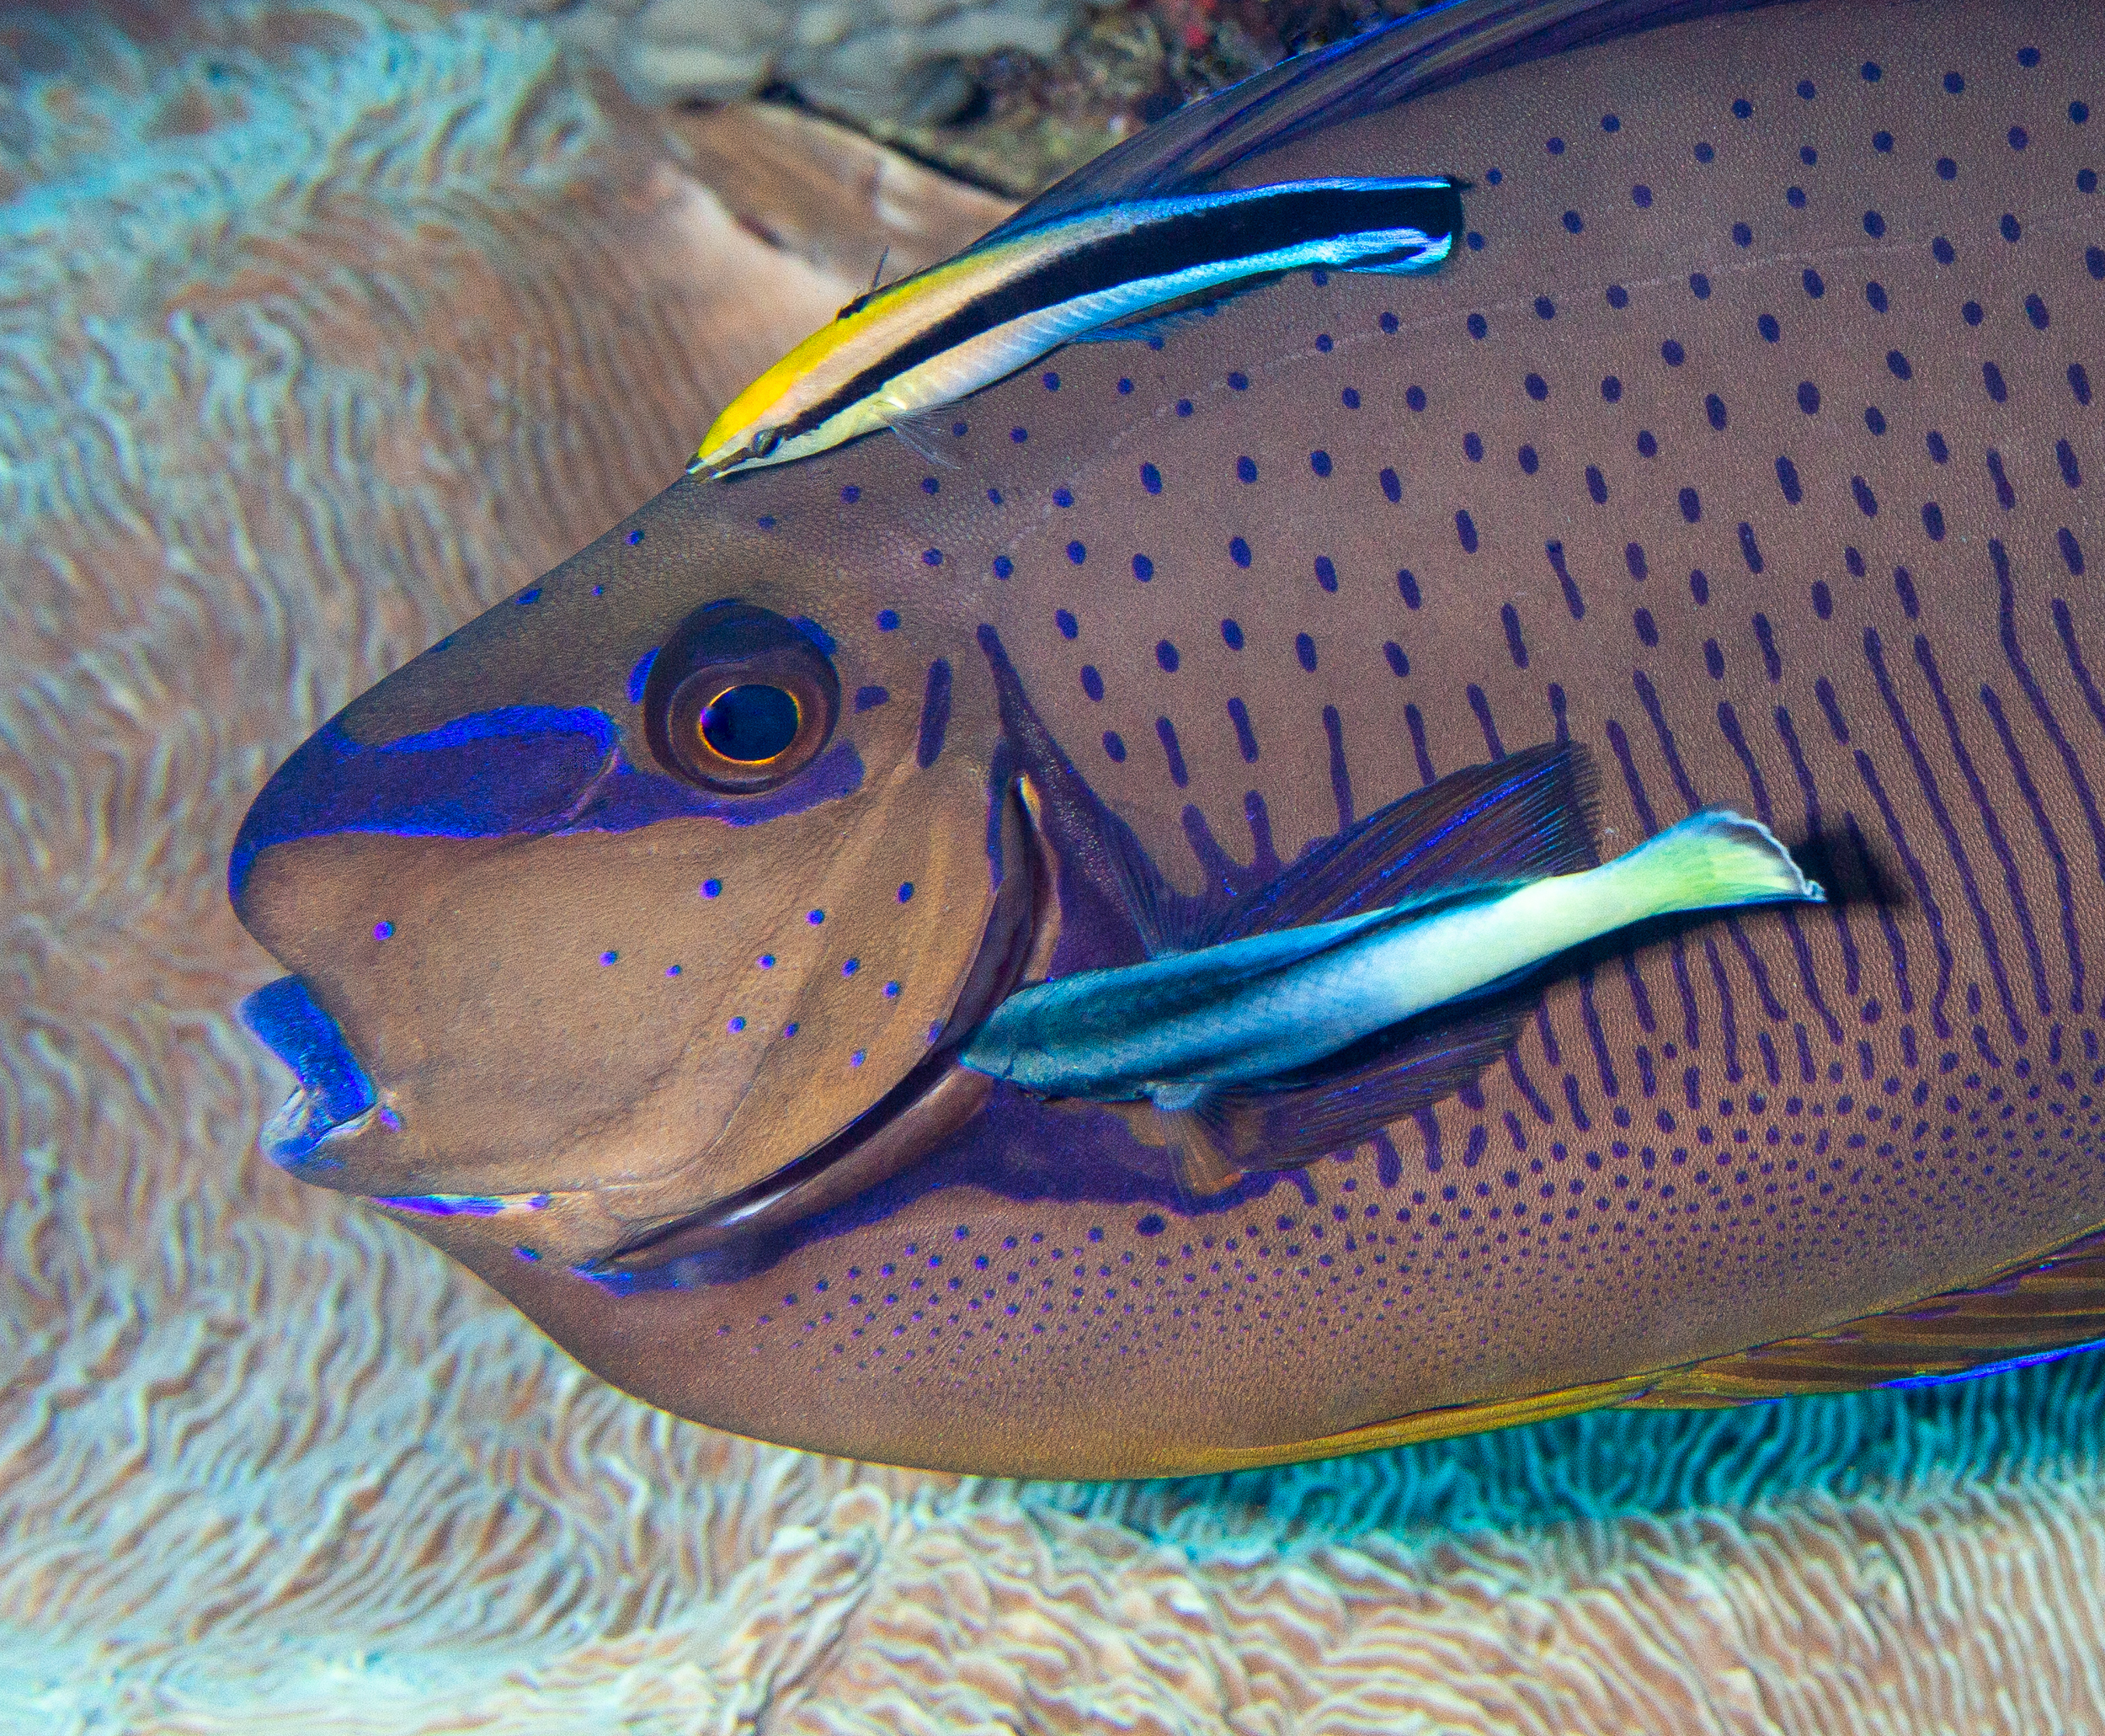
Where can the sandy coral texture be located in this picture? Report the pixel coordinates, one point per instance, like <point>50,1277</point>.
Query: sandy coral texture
<point>319,329</point>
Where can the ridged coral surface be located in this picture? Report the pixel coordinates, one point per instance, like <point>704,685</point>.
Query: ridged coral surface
<point>319,329</point>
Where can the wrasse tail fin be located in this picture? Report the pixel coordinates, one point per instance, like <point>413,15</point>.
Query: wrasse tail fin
<point>2046,1307</point>
<point>1520,818</point>
<point>1710,860</point>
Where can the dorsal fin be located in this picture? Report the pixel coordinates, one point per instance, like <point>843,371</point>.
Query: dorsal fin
<point>1198,147</point>
<point>1527,815</point>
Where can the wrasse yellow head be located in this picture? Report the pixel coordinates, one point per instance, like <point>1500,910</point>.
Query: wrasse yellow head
<point>777,418</point>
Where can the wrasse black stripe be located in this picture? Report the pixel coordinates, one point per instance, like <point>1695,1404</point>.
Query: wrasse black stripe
<point>1292,218</point>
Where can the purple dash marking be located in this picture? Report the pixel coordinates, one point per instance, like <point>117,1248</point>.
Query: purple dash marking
<point>1166,733</point>
<point>934,714</point>
<point>672,970</point>
<point>1573,601</point>
<point>1481,706</point>
<point>1415,722</point>
<point>1340,777</point>
<point>906,892</point>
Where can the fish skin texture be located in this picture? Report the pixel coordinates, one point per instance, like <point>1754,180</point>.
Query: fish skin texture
<point>1836,577</point>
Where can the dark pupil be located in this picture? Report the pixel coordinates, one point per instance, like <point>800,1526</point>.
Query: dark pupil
<point>750,724</point>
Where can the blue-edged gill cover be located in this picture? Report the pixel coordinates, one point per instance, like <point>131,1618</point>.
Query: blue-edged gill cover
<point>1195,731</point>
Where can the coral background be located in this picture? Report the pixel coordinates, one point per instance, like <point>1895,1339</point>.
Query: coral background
<point>321,327</point>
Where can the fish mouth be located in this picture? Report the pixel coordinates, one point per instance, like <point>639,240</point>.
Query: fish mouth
<point>935,1098</point>
<point>335,1100</point>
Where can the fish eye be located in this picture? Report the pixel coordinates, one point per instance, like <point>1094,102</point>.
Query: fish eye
<point>766,441</point>
<point>738,699</point>
<point>752,723</point>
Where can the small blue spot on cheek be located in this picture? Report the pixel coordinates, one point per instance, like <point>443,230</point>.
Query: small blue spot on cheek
<point>765,961</point>
<point>382,931</point>
<point>887,620</point>
<point>607,958</point>
<point>814,916</point>
<point>531,596</point>
<point>906,892</point>
<point>735,1026</point>
<point>709,888</point>
<point>672,970</point>
<point>635,537</point>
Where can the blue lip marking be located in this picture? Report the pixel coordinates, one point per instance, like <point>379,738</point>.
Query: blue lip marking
<point>285,1020</point>
<point>517,770</point>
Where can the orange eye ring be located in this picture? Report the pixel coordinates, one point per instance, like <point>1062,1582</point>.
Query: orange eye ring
<point>739,700</point>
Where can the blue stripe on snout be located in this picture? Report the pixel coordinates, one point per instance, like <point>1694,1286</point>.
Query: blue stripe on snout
<point>516,770</point>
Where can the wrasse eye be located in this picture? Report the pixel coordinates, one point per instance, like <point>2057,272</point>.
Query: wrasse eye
<point>766,442</point>
<point>739,700</point>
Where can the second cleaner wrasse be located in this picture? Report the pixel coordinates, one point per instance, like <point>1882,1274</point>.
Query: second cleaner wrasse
<point>1114,269</point>
<point>1203,1032</point>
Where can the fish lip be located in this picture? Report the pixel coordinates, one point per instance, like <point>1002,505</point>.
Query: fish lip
<point>935,1098</point>
<point>335,1101</point>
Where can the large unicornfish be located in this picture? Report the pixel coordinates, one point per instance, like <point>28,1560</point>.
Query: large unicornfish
<point>1743,447</point>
